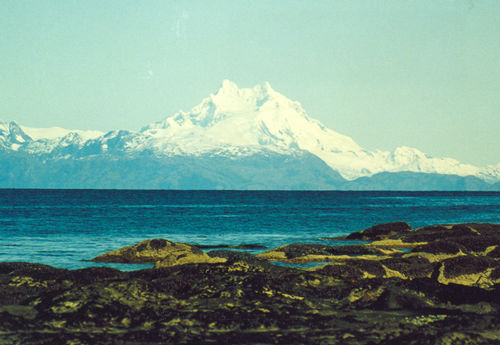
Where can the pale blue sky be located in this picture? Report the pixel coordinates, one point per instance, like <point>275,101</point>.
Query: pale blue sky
<point>387,73</point>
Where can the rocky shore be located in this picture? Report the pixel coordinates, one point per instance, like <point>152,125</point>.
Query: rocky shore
<point>432,285</point>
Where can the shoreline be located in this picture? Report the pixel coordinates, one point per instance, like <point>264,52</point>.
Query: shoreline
<point>445,289</point>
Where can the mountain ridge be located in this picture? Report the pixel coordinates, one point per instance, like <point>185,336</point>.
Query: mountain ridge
<point>235,123</point>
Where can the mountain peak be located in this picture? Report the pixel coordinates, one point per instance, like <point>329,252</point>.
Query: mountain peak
<point>229,102</point>
<point>228,87</point>
<point>265,87</point>
<point>251,118</point>
<point>9,126</point>
<point>258,92</point>
<point>11,135</point>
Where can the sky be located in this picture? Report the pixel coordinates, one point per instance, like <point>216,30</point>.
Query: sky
<point>418,73</point>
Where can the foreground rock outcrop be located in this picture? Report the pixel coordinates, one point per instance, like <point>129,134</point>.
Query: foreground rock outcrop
<point>466,254</point>
<point>444,290</point>
<point>381,232</point>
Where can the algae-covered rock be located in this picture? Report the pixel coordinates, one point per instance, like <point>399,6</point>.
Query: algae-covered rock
<point>162,252</point>
<point>299,252</point>
<point>479,244</point>
<point>494,252</point>
<point>440,232</point>
<point>187,258</point>
<point>468,270</point>
<point>381,232</point>
<point>441,246</point>
<point>471,233</point>
<point>446,290</point>
<point>353,269</point>
<point>407,268</point>
<point>236,256</point>
<point>250,246</point>
<point>21,267</point>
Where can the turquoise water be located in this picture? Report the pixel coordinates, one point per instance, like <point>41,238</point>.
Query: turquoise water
<point>63,227</point>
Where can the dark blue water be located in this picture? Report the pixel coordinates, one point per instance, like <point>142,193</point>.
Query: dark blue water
<point>63,227</point>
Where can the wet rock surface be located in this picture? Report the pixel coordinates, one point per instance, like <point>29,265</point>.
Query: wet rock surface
<point>433,294</point>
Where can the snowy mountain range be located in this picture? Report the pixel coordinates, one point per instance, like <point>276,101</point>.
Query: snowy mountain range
<point>237,138</point>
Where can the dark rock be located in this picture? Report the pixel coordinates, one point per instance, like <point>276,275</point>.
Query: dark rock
<point>240,246</point>
<point>463,265</point>
<point>485,229</point>
<point>495,274</point>
<point>297,250</point>
<point>93,274</point>
<point>441,246</point>
<point>354,268</point>
<point>372,267</point>
<point>478,243</point>
<point>233,256</point>
<point>249,246</point>
<point>451,294</point>
<point>29,268</point>
<point>439,232</point>
<point>380,232</point>
<point>211,246</point>
<point>394,298</point>
<point>236,303</point>
<point>341,271</point>
<point>20,279</point>
<point>236,297</point>
<point>410,267</point>
<point>356,250</point>
<point>159,243</point>
<point>300,250</point>
<point>495,253</point>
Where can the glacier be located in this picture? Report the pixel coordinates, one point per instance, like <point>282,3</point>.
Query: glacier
<point>232,128</point>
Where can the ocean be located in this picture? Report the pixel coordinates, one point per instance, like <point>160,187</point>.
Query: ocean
<point>63,228</point>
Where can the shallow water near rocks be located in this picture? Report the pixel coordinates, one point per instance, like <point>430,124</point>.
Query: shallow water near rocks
<point>64,227</point>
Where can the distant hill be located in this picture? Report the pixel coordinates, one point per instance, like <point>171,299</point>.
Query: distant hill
<point>411,181</point>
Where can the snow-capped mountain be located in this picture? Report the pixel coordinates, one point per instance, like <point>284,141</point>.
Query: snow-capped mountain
<point>247,120</point>
<point>244,121</point>
<point>42,140</point>
<point>12,136</point>
<point>58,132</point>
<point>236,125</point>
